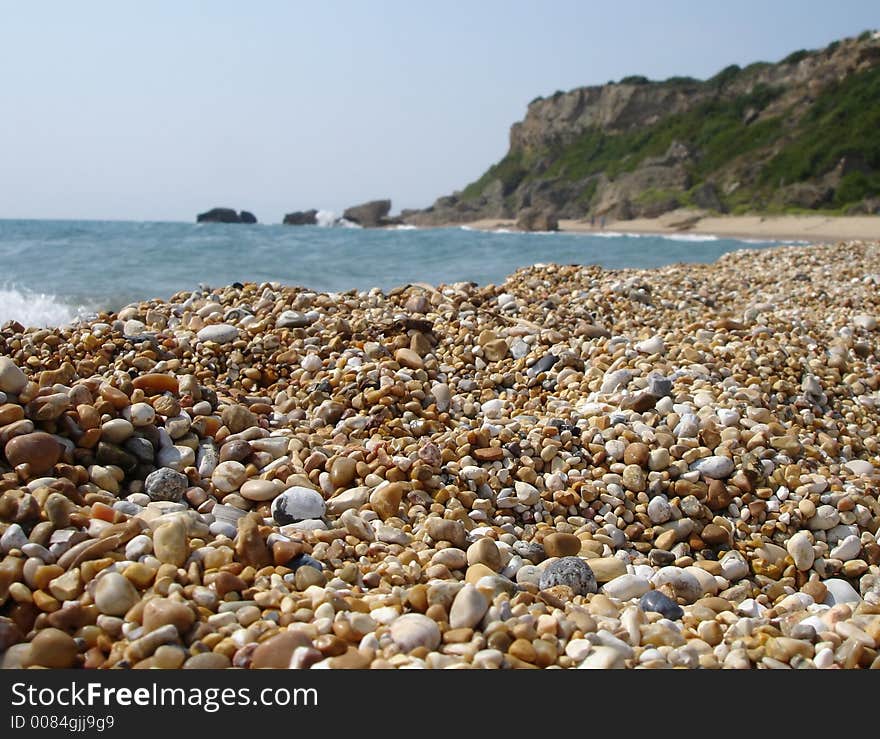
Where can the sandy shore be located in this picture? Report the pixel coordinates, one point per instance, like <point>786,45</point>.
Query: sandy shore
<point>811,228</point>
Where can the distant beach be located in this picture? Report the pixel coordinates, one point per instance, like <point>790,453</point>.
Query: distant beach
<point>808,228</point>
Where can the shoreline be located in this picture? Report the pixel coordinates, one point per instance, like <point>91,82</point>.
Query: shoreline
<point>807,228</point>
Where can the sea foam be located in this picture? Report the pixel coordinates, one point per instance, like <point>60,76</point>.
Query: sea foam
<point>36,309</point>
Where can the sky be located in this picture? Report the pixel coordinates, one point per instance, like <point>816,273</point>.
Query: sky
<point>159,110</point>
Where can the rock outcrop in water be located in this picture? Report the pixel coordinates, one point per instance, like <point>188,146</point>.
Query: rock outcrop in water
<point>225,215</point>
<point>372,214</point>
<point>301,218</point>
<point>800,133</point>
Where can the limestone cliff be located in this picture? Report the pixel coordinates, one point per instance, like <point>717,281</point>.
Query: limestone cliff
<point>797,134</point>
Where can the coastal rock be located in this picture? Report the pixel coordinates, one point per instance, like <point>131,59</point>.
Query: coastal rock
<point>537,219</point>
<point>218,215</point>
<point>370,214</point>
<point>246,216</point>
<point>301,218</point>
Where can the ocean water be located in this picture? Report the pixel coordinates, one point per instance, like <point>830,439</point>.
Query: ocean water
<point>53,272</point>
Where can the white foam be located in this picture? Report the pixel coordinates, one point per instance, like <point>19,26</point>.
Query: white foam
<point>325,218</point>
<point>406,227</point>
<point>36,309</point>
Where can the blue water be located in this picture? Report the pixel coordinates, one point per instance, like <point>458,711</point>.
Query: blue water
<point>53,271</point>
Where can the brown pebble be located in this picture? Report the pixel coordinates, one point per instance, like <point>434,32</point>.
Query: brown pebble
<point>52,648</point>
<point>275,652</point>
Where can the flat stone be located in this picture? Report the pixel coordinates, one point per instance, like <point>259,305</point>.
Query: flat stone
<point>626,587</point>
<point>260,490</point>
<point>716,467</point>
<point>218,333</point>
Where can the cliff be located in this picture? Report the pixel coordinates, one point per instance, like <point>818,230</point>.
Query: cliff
<point>797,134</point>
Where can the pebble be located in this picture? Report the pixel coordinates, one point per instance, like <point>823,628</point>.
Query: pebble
<point>219,333</point>
<point>413,630</point>
<point>561,545</point>
<point>800,547</point>
<point>715,467</point>
<point>38,450</point>
<point>626,587</point>
<point>572,572</point>
<point>654,600</point>
<point>166,485</point>
<point>297,504</point>
<point>52,648</point>
<point>468,608</point>
<point>12,379</point>
<point>114,594</point>
<point>170,544</point>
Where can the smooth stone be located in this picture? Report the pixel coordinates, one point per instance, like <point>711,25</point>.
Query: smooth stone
<point>39,450</point>
<point>166,485</point>
<point>860,467</point>
<point>659,510</point>
<point>297,504</point>
<point>468,608</point>
<point>716,467</point>
<point>137,547</point>
<point>170,544</point>
<point>219,333</point>
<point>259,490</point>
<point>561,545</point>
<point>654,345</point>
<point>276,651</point>
<point>409,359</point>
<point>484,551</point>
<point>13,538</point>
<point>445,529</point>
<point>800,548</point>
<point>734,566</point>
<point>626,587</point>
<point>572,572</point>
<point>385,500</point>
<point>207,661</point>
<point>237,418</point>
<point>348,499</point>
<point>413,630</point>
<point>849,548</point>
<point>228,476</point>
<point>292,319</point>
<point>12,379</point>
<point>52,648</point>
<point>683,583</point>
<point>343,471</point>
<point>603,658</point>
<point>840,591</point>
<point>114,594</point>
<point>526,494</point>
<point>658,602</point>
<point>142,414</point>
<point>607,568</point>
<point>160,612</point>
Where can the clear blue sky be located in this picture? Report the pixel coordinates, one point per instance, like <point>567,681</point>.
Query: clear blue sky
<point>157,110</point>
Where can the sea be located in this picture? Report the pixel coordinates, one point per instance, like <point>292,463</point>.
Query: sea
<point>55,272</point>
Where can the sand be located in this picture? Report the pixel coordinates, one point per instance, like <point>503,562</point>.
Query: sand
<point>810,228</point>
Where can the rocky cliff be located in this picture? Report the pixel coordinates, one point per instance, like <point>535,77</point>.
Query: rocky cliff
<point>797,134</point>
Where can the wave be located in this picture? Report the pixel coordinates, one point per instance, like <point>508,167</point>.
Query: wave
<point>325,218</point>
<point>406,227</point>
<point>33,309</point>
<point>696,238</point>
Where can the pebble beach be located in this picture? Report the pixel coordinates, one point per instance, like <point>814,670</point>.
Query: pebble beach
<point>575,468</point>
